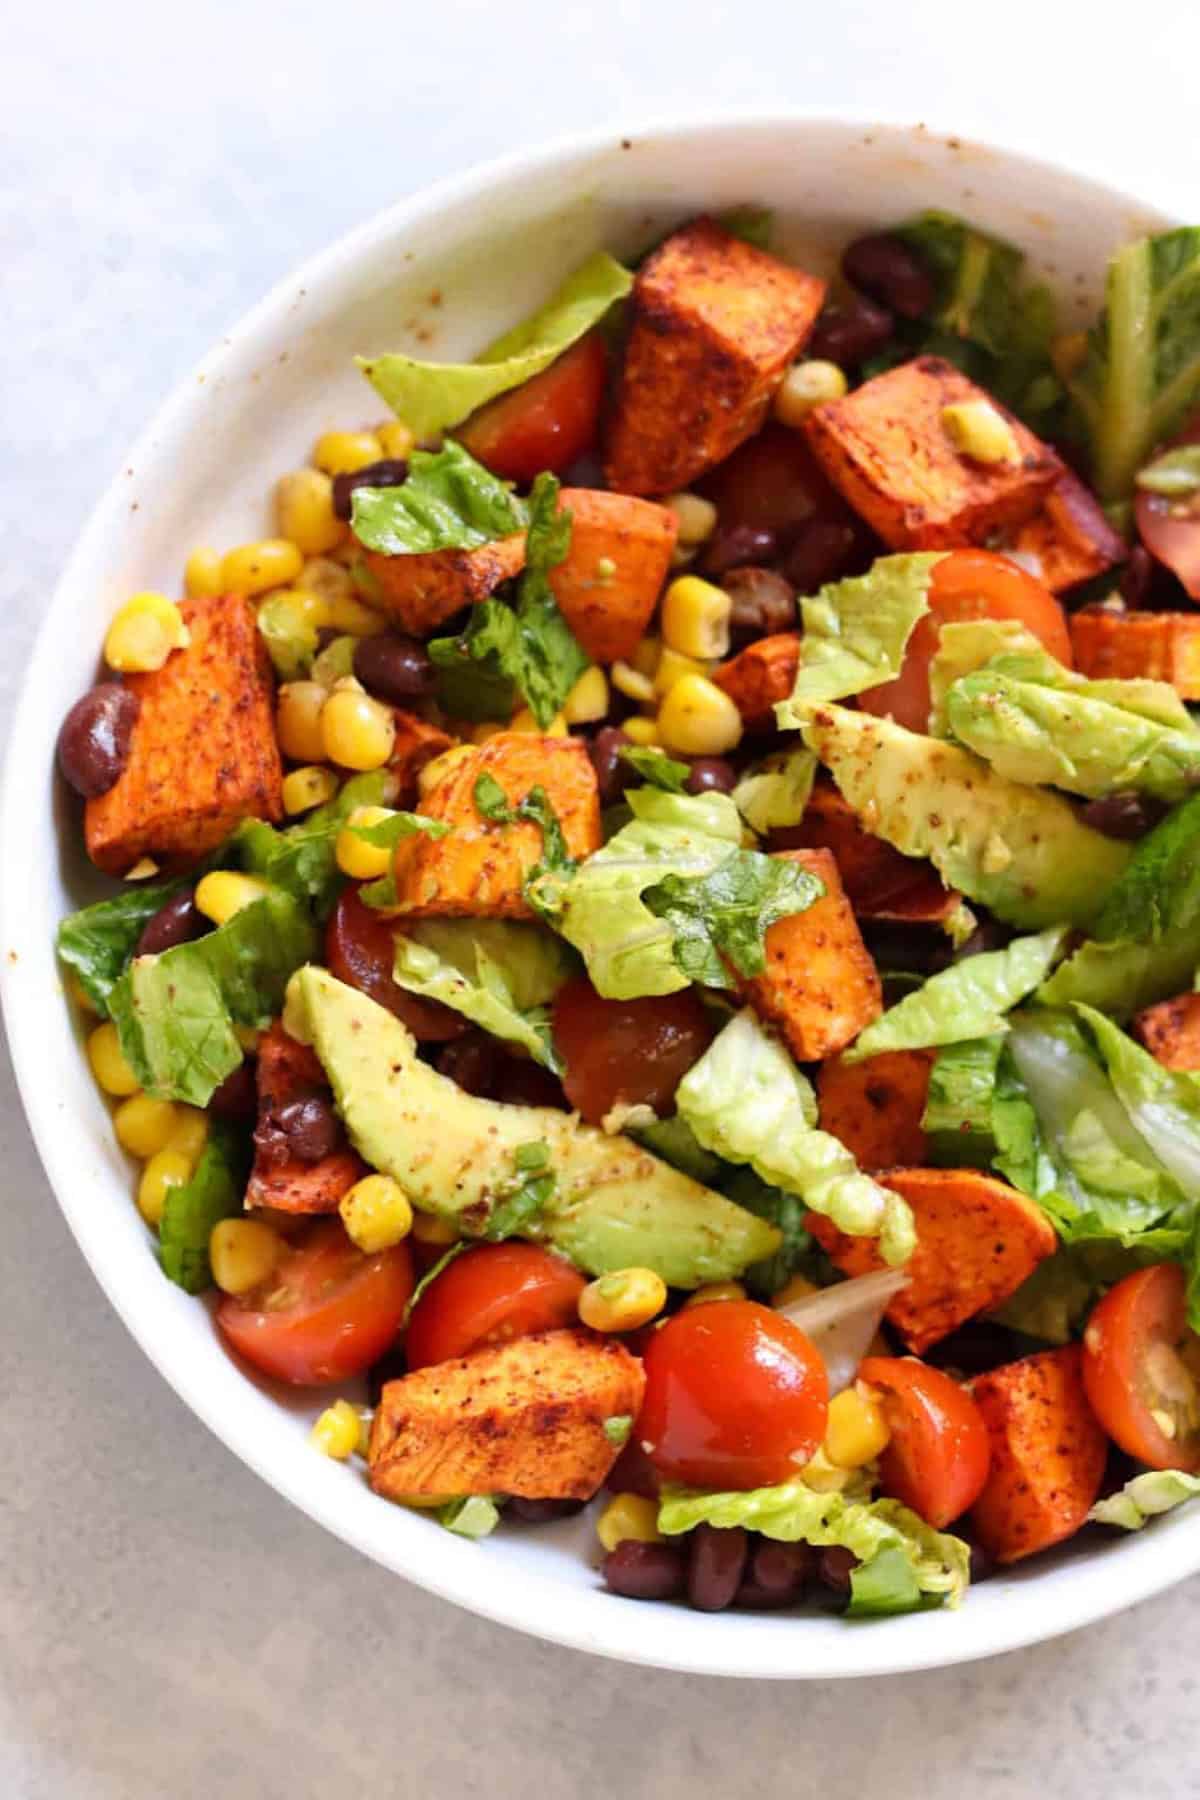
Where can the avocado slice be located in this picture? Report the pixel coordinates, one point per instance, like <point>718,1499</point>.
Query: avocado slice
<point>614,1204</point>
<point>1021,851</point>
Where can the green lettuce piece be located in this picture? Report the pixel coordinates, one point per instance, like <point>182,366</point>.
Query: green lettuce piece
<point>887,1586</point>
<point>474,1516</point>
<point>977,278</point>
<point>798,1252</point>
<point>856,631</point>
<point>301,858</point>
<point>1158,896</point>
<point>795,1513</point>
<point>657,768</point>
<point>1144,1497</point>
<point>1054,1302</point>
<point>723,917</point>
<point>449,502</point>
<point>1121,978</point>
<point>958,1119</point>
<point>970,999</point>
<point>432,397</point>
<point>97,942</point>
<point>190,1211</point>
<point>500,974</point>
<point>1142,371</point>
<point>747,1101</point>
<point>965,645</point>
<point>1163,1104</point>
<point>291,639</point>
<point>753,224</point>
<point>772,794</point>
<point>175,1013</point>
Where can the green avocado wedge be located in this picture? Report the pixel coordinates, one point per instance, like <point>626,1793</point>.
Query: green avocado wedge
<point>613,1206</point>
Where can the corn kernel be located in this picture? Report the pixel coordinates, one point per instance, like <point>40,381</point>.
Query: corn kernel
<point>439,767</point>
<point>304,511</point>
<point>695,618</point>
<point>354,856</point>
<point>697,718</point>
<point>488,728</point>
<point>143,1125</point>
<point>796,1287</point>
<point>243,1254</point>
<point>823,1476</point>
<point>107,1058</point>
<point>642,732</point>
<point>856,1430</point>
<point>716,1290</point>
<point>684,555</point>
<point>628,1516</point>
<point>1068,353</point>
<point>189,1133</point>
<point>525,721</point>
<point>431,1228</point>
<point>806,385</point>
<point>321,575</point>
<point>622,1300</point>
<point>395,440</point>
<point>376,1213</point>
<point>254,569</point>
<point>695,516</point>
<point>587,701</point>
<point>336,1432</point>
<point>977,430</point>
<point>342,452</point>
<point>356,731</point>
<point>672,665</point>
<point>307,787</point>
<point>223,892</point>
<point>298,720</point>
<point>632,683</point>
<point>349,616</point>
<point>78,994</point>
<point>645,657</point>
<point>142,870</point>
<point>202,574</point>
<point>165,1170</point>
<point>144,633</point>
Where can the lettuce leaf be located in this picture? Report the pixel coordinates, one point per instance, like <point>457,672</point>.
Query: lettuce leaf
<point>498,973</point>
<point>1054,1303</point>
<point>1144,1497</point>
<point>449,502</point>
<point>970,999</point>
<point>214,1193</point>
<point>1121,978</point>
<point>746,1101</point>
<point>431,397</point>
<point>1158,896</point>
<point>97,942</point>
<point>301,858</point>
<point>959,1117</point>
<point>965,645</point>
<point>772,794</point>
<point>976,277</point>
<point>856,631</point>
<point>722,918</point>
<point>1163,1104</point>
<point>657,768</point>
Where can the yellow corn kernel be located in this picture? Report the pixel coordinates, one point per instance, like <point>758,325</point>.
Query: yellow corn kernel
<point>298,720</point>
<point>683,556</point>
<point>977,430</point>
<point>376,1213</point>
<point>622,1300</point>
<point>645,657</point>
<point>143,1125</point>
<point>321,575</point>
<point>698,718</point>
<point>144,633</point>
<point>716,1290</point>
<point>431,1228</point>
<point>224,892</point>
<point>349,616</point>
<point>202,574</point>
<point>395,439</point>
<point>307,787</point>
<point>632,683</point>
<point>107,1058</point>
<point>628,1516</point>
<point>342,452</point>
<point>796,1287</point>
<point>489,728</point>
<point>587,701</point>
<point>695,618</point>
<point>823,1476</point>
<point>142,870</point>
<point>856,1430</point>
<point>695,516</point>
<point>353,855</point>
<point>243,1253</point>
<point>1068,353</point>
<point>189,1133</point>
<point>421,1502</point>
<point>642,732</point>
<point>439,767</point>
<point>304,511</point>
<point>310,608</point>
<point>807,384</point>
<point>165,1170</point>
<point>336,1432</point>
<point>78,994</point>
<point>254,569</point>
<point>672,666</point>
<point>525,721</point>
<point>356,731</point>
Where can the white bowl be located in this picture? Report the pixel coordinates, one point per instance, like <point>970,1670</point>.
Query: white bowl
<point>442,273</point>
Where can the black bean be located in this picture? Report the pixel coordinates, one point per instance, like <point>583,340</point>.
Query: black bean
<point>522,1082</point>
<point>764,602</point>
<point>759,1599</point>
<point>1137,577</point>
<point>781,1568</point>
<point>644,1571</point>
<point>176,922</point>
<point>712,775</point>
<point>1124,816</point>
<point>310,1126</point>
<point>884,268</point>
<point>613,773</point>
<point>834,1569</point>
<point>540,1512</point>
<point>822,550</point>
<point>93,744</point>
<point>237,1096</point>
<point>389,472</point>
<point>977,1346</point>
<point>472,1061</point>
<point>989,934</point>
<point>394,668</point>
<point>983,1563</point>
<point>716,1563</point>
<point>732,546</point>
<point>848,332</point>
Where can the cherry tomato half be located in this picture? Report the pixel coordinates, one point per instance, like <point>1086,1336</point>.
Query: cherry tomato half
<point>626,1052</point>
<point>327,1312</point>
<point>546,423</point>
<point>360,948</point>
<point>1170,529</point>
<point>967,584</point>
<point>1138,1363</point>
<point>488,1294</point>
<point>736,1397</point>
<point>936,1460</point>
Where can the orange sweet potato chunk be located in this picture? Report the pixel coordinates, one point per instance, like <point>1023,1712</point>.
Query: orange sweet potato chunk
<point>287,1071</point>
<point>759,676</point>
<point>620,555</point>
<point>879,882</point>
<point>714,324</point>
<point>417,742</point>
<point>422,592</point>
<point>1129,646</point>
<point>478,869</point>
<point>1069,536</point>
<point>876,1107</point>
<point>820,986</point>
<point>203,755</point>
<point>1171,1031</point>
<point>1048,1454</point>
<point>885,449</point>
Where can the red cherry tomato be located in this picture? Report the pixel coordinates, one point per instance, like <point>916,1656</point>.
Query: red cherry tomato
<point>936,1461</point>
<point>327,1312</point>
<point>967,584</point>
<point>626,1052</point>
<point>546,423</point>
<point>486,1295</point>
<point>360,948</point>
<point>1140,1363</point>
<point>736,1397</point>
<point>1170,529</point>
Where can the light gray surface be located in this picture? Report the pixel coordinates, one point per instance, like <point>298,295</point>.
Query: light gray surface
<point>167,1625</point>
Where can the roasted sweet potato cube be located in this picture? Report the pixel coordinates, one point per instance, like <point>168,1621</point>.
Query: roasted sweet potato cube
<point>1048,1454</point>
<point>1171,1031</point>
<point>1068,536</point>
<point>417,742</point>
<point>759,676</point>
<point>977,1241</point>
<point>885,448</point>
<point>290,1071</point>
<point>609,583</point>
<point>876,1107</point>
<point>479,868</point>
<point>714,323</point>
<point>1116,646</point>
<point>820,986</point>
<point>203,755</point>
<point>880,883</point>
<point>525,1417</point>
<point>421,592</point>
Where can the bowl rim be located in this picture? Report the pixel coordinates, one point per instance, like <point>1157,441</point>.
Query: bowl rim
<point>733,1648</point>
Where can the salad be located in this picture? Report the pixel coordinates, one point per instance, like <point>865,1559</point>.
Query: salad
<point>653,946</point>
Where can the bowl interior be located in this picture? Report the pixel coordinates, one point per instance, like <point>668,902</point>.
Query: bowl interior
<point>440,275</point>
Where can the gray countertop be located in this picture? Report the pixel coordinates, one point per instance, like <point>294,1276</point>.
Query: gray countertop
<point>168,1626</point>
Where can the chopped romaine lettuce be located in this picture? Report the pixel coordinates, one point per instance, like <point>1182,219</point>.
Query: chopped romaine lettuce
<point>1163,1104</point>
<point>449,502</point>
<point>190,1211</point>
<point>498,973</point>
<point>1053,1304</point>
<point>1121,978</point>
<point>1144,1497</point>
<point>753,224</point>
<point>722,918</point>
<point>657,768</point>
<point>97,942</point>
<point>856,631</point>
<point>965,645</point>
<point>772,794</point>
<point>887,1586</point>
<point>958,1120</point>
<point>1158,896</point>
<point>301,858</point>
